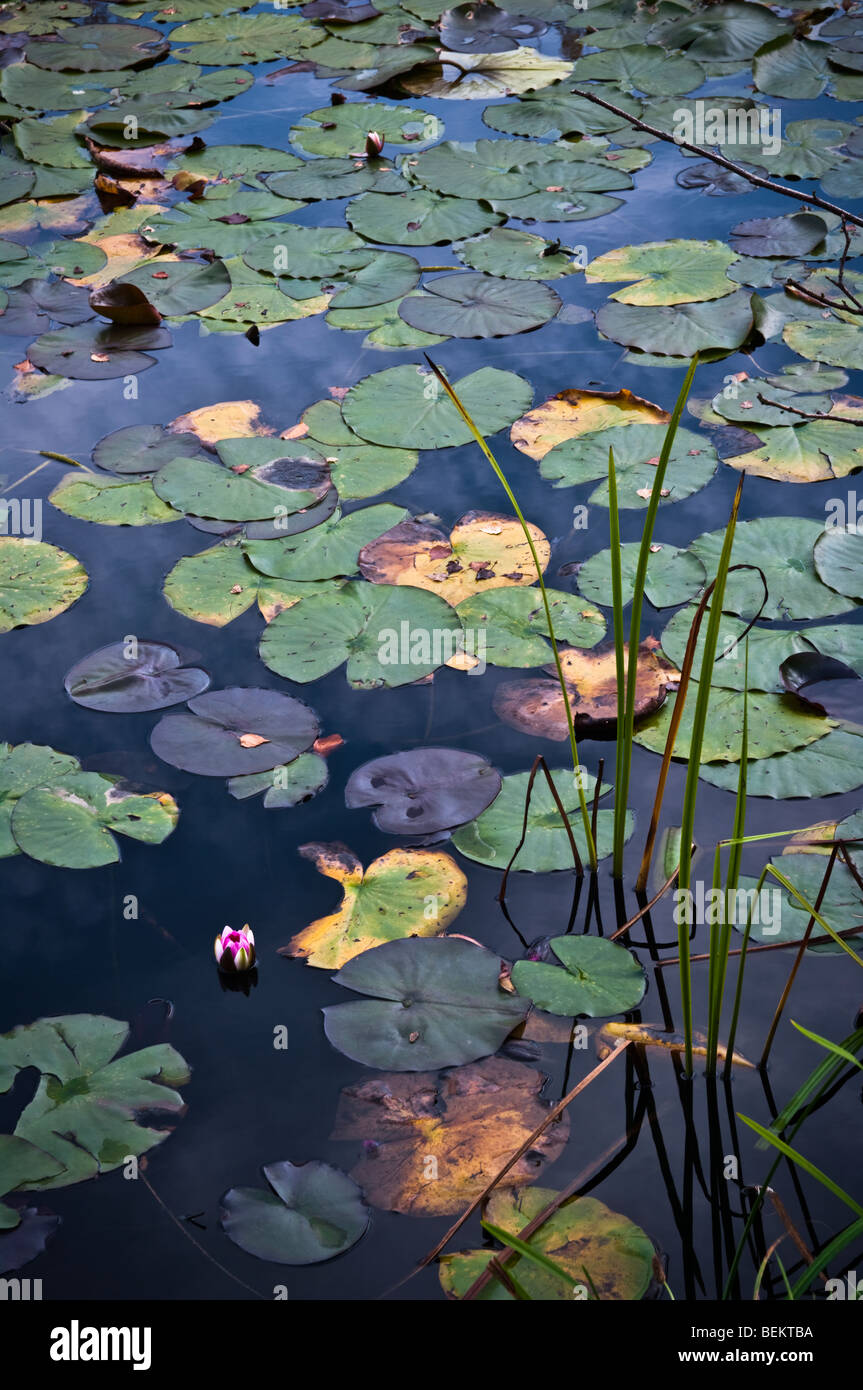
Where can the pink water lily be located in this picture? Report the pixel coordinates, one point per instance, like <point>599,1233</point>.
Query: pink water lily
<point>374,144</point>
<point>235,950</point>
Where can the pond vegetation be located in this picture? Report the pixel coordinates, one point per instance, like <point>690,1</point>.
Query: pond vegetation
<point>265,271</point>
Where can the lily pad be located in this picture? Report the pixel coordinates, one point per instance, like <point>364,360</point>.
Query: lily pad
<point>483,550</point>
<point>666,272</point>
<point>832,765</point>
<point>557,111</point>
<point>486,29</point>
<point>406,406</point>
<point>335,178</point>
<point>794,235</point>
<point>309,253</point>
<point>826,685</point>
<point>179,287</point>
<point>260,493</point>
<point>287,785</point>
<point>337,132</point>
<point>789,67</point>
<point>218,585</point>
<point>22,767</point>
<point>143,449</point>
<point>434,1003</point>
<point>127,678</point>
<point>642,68</point>
<point>838,557</point>
<point>673,576</point>
<point>575,412</point>
<point>37,582</point>
<point>584,459</point>
<point>363,624</point>
<point>781,546</point>
<point>837,344</point>
<point>484,76</point>
<point>599,978</point>
<point>423,790</point>
<point>330,549</point>
<point>471,1119</point>
<point>768,649</point>
<point>70,823</point>
<point>111,501</point>
<point>98,48</point>
<point>244,162</point>
<point>388,901</point>
<point>420,217</point>
<point>238,39</point>
<point>508,626</point>
<point>777,724</point>
<point>517,255</point>
<point>688,328</point>
<point>235,731</point>
<point>94,352</point>
<point>491,839</point>
<point>85,1112</point>
<point>583,1238</point>
<point>313,1213</point>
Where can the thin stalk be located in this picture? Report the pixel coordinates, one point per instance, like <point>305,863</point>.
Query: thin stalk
<point>720,966</point>
<point>738,992</point>
<point>619,654</point>
<point>502,479</point>
<point>625,735</point>
<point>521,1247</point>
<point>802,1162</point>
<point>696,743</point>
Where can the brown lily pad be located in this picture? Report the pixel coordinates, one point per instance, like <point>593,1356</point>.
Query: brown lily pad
<point>433,1140</point>
<point>483,551</point>
<point>536,706</point>
<point>124,304</point>
<point>575,412</point>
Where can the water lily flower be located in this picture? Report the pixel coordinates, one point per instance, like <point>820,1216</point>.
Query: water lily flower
<point>374,144</point>
<point>235,950</point>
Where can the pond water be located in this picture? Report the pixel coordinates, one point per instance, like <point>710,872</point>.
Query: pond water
<point>69,948</point>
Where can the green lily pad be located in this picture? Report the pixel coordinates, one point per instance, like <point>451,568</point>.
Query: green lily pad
<point>599,978</point>
<point>21,1163</point>
<point>406,406</point>
<point>69,824</point>
<point>794,235</point>
<point>768,648</point>
<point>491,838</point>
<point>238,39</point>
<point>435,1003</point>
<point>691,464</point>
<point>335,178</point>
<point>52,141</point>
<point>98,48</point>
<point>557,111</point>
<point>313,1213</point>
<point>316,636</point>
<point>93,352</point>
<point>473,305</point>
<point>642,68</point>
<point>837,344</point>
<point>218,585</point>
<point>288,785</point>
<point>85,1112</point>
<point>384,328</point>
<point>22,767</point>
<point>109,501</point>
<point>781,546</point>
<point>328,550</point>
<point>260,493</point>
<point>518,255</point>
<point>484,168</point>
<point>688,328</point>
<point>143,449</point>
<point>808,452</point>
<point>243,162</point>
<point>777,724</point>
<point>179,287</point>
<point>162,116</point>
<point>235,731</point>
<point>666,272</point>
<point>257,298</point>
<point>388,276</point>
<point>584,1238</point>
<point>673,576</point>
<point>310,253</point>
<point>509,627</point>
<point>790,67</point>
<point>838,558</point>
<point>743,404</point>
<point>37,581</point>
<point>337,132</point>
<point>420,217</point>
<point>730,32</point>
<point>832,765</point>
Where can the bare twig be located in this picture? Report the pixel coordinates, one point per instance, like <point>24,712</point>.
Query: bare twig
<point>810,414</point>
<point>811,199</point>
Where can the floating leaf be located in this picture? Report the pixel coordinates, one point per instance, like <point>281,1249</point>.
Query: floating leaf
<point>209,740</point>
<point>486,29</point>
<point>781,547</point>
<point>575,412</point>
<point>363,624</point>
<point>492,838</point>
<point>809,452</point>
<point>435,1003</point>
<point>556,111</point>
<point>420,217</point>
<point>111,501</point>
<point>387,901</point>
<point>832,765</point>
<point>599,978</point>
<point>264,492</point>
<point>483,76</point>
<point>340,131</point>
<point>768,649</point>
<point>313,1213</point>
<point>838,558</point>
<point>84,1114</point>
<point>508,626</point>
<point>673,576</point>
<point>424,790</point>
<point>472,305</point>
<point>239,39</point>
<point>536,706</point>
<point>217,585</point>
<point>837,344</point>
<point>691,464</point>
<point>128,678</point>
<point>179,287</point>
<point>22,767</point>
<point>826,685</point>
<point>777,724</point>
<point>143,449</point>
<point>583,1238</point>
<point>483,549</point>
<point>69,824</point>
<point>328,550</point>
<point>287,785</point>
<point>790,67</point>
<point>518,255</point>
<point>335,178</point>
<point>666,272</point>
<point>794,235</point>
<point>688,328</point>
<point>471,1119</point>
<point>37,581</point>
<point>244,162</point>
<point>407,407</point>
<point>98,48</point>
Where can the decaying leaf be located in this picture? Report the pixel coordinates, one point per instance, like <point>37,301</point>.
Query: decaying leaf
<point>650,1035</point>
<point>406,892</point>
<point>469,1119</point>
<point>226,420</point>
<point>574,412</point>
